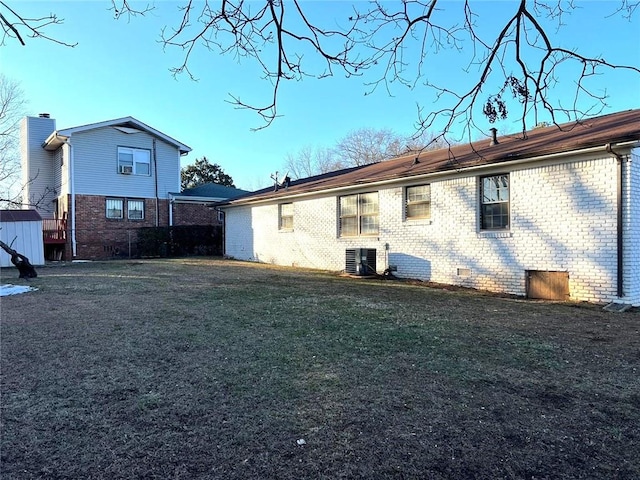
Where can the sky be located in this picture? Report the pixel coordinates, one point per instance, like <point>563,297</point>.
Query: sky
<point>119,68</point>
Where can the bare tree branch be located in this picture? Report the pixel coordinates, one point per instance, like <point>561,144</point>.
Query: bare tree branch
<point>515,68</point>
<point>12,23</point>
<point>12,108</point>
<point>358,147</point>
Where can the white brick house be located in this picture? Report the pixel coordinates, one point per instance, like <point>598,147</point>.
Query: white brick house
<point>561,206</point>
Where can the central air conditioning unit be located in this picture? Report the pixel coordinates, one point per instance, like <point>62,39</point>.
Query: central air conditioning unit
<point>126,169</point>
<point>360,261</point>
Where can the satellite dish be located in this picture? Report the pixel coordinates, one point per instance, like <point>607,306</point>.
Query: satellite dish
<point>282,181</point>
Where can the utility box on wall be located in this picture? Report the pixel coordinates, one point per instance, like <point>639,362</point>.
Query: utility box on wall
<point>360,261</point>
<point>22,231</point>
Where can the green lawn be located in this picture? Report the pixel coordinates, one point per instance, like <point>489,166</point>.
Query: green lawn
<point>204,368</point>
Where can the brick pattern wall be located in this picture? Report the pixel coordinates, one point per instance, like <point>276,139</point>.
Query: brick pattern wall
<point>98,237</point>
<point>631,221</point>
<point>563,218</point>
<point>194,214</point>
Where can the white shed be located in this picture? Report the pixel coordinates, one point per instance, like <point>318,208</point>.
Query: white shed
<point>22,231</point>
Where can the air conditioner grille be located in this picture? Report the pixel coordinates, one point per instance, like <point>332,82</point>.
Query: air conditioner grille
<point>360,261</point>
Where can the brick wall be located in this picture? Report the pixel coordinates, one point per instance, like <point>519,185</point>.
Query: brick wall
<point>631,226</point>
<point>194,214</point>
<point>98,237</point>
<point>563,218</point>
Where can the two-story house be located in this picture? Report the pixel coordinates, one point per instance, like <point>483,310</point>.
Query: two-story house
<point>95,185</point>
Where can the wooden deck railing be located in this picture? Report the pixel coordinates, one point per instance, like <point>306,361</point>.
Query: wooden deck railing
<point>54,230</point>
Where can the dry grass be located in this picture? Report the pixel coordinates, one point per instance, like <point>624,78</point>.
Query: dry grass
<point>204,368</point>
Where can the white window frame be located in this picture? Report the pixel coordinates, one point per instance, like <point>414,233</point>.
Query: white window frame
<point>285,216</point>
<point>139,162</point>
<point>110,206</point>
<point>357,216</point>
<point>137,203</point>
<point>495,194</point>
<point>416,197</point>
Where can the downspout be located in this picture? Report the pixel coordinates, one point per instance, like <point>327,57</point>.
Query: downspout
<point>223,217</point>
<point>155,171</point>
<point>171,200</point>
<point>72,178</point>
<point>620,243</point>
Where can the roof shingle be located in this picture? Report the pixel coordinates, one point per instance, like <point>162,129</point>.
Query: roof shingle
<point>19,216</point>
<point>613,128</point>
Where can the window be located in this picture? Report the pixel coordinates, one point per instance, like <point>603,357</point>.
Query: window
<point>494,213</point>
<point>114,208</point>
<point>418,202</point>
<point>286,216</point>
<point>134,161</point>
<point>359,214</point>
<point>135,209</point>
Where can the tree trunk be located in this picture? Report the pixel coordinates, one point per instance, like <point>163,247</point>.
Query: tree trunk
<point>20,261</point>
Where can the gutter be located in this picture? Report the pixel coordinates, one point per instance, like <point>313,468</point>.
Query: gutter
<point>177,198</point>
<point>500,165</point>
<point>171,200</point>
<point>619,233</point>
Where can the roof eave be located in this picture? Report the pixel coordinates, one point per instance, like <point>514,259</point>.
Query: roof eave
<point>182,148</point>
<point>177,198</point>
<point>269,198</point>
<point>54,141</point>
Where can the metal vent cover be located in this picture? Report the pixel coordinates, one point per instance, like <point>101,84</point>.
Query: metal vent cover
<point>360,261</point>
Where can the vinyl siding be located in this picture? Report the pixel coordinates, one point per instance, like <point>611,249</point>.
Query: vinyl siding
<point>95,157</point>
<point>27,240</point>
<point>63,163</point>
<point>37,164</point>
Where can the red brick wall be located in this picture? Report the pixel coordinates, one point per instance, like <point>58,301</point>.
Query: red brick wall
<point>99,237</point>
<point>193,214</point>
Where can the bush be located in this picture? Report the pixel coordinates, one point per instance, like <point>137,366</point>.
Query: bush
<point>179,241</point>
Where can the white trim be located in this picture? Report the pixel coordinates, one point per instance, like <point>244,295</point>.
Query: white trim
<point>58,137</point>
<point>196,199</point>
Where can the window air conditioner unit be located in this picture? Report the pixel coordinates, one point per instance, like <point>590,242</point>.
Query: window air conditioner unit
<point>360,261</point>
<point>125,169</point>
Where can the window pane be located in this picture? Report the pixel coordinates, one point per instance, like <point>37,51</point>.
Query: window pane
<point>368,203</point>
<point>349,226</point>
<point>419,210</point>
<point>421,193</point>
<point>495,189</point>
<point>286,209</point>
<point>143,169</point>
<point>125,158</point>
<point>286,216</point>
<point>349,205</point>
<point>369,225</point>
<point>495,215</point>
<point>419,201</point>
<point>286,223</point>
<point>114,208</point>
<point>143,162</point>
<point>136,209</point>
<point>142,156</point>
